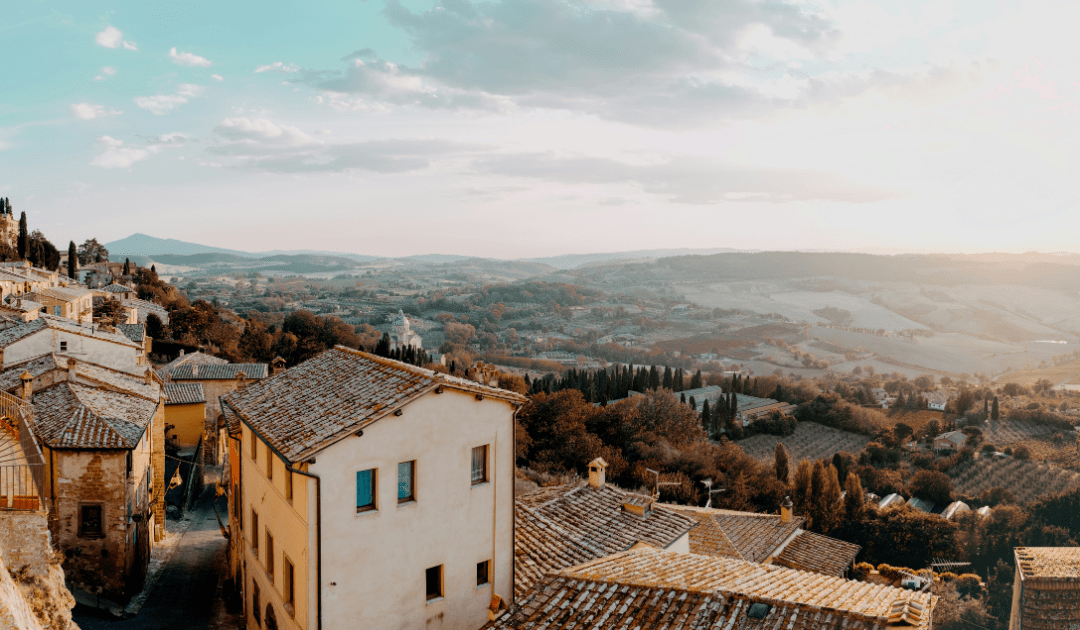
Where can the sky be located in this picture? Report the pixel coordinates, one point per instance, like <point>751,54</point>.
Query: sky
<point>524,128</point>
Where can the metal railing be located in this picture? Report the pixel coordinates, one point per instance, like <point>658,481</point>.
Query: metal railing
<point>22,466</point>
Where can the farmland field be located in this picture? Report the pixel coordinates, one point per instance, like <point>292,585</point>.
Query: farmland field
<point>810,441</point>
<point>917,419</point>
<point>1027,480</point>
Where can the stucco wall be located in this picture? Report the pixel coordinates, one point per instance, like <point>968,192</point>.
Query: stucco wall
<point>286,521</point>
<point>188,422</point>
<point>15,613</point>
<point>98,351</point>
<point>373,563</point>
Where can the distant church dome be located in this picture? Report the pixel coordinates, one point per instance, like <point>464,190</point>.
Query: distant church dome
<point>401,334</point>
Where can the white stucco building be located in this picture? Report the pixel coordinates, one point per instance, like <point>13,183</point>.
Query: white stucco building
<point>92,343</point>
<point>371,494</point>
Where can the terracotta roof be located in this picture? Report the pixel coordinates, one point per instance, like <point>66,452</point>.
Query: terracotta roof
<point>96,375</point>
<point>192,358</point>
<point>117,288</point>
<point>1049,562</point>
<point>754,536</point>
<point>134,332</point>
<point>64,294</point>
<point>307,408</point>
<point>232,420</point>
<point>184,394</point>
<point>217,372</point>
<point>708,538</point>
<point>818,554</point>
<point>565,525</point>
<point>647,588</point>
<point>69,415</point>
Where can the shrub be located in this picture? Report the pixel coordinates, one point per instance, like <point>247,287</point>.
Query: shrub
<point>1022,453</point>
<point>969,585</point>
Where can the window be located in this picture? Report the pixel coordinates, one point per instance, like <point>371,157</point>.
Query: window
<point>365,490</point>
<point>288,484</point>
<point>90,522</point>
<point>270,555</point>
<point>255,533</point>
<point>434,582</point>
<point>256,611</point>
<point>759,611</point>
<point>269,463</point>
<point>405,482</point>
<point>287,586</point>
<point>63,344</point>
<point>254,447</point>
<point>483,570</point>
<point>479,464</point>
<point>56,310</point>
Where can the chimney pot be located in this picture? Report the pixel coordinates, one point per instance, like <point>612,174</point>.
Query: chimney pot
<point>71,362</point>
<point>27,385</point>
<point>786,510</point>
<point>597,474</point>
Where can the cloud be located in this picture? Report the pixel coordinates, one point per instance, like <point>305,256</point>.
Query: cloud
<point>691,180</point>
<point>111,37</point>
<point>161,104</point>
<point>106,71</point>
<point>189,59</point>
<point>217,77</point>
<point>87,111</point>
<point>263,131</point>
<point>280,67</point>
<point>116,155</point>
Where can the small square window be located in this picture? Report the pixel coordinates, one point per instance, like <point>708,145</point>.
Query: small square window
<point>483,573</point>
<point>406,488</point>
<point>90,521</point>
<point>365,490</point>
<point>63,345</point>
<point>433,578</point>
<point>479,464</point>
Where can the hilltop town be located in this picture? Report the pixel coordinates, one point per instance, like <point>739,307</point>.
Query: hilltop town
<point>509,445</point>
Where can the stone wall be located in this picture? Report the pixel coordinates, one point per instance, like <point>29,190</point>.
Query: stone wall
<point>39,599</point>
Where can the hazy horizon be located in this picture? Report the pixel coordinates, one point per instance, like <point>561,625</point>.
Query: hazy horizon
<point>523,128</point>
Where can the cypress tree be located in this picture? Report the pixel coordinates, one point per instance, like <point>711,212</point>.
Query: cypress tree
<point>695,380</point>
<point>73,261</point>
<point>682,398</point>
<point>678,380</point>
<point>734,408</point>
<point>780,462</point>
<point>706,419</point>
<point>994,410</point>
<point>667,377</point>
<point>382,348</point>
<point>127,267</point>
<point>693,403</point>
<point>24,237</point>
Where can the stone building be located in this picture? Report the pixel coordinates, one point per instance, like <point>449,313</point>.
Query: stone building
<point>402,335</point>
<point>9,225</point>
<point>102,440</point>
<point>368,493</point>
<point>1046,591</point>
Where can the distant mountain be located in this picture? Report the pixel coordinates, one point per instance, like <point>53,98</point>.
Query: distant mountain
<point>572,261</point>
<point>153,247</point>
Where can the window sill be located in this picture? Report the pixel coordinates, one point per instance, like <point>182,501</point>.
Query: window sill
<point>480,483</point>
<point>290,610</point>
<point>484,585</point>
<point>432,600</point>
<point>363,512</point>
<point>407,503</point>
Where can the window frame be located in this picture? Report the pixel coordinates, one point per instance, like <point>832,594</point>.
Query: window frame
<point>484,474</point>
<point>412,483</point>
<point>269,463</point>
<point>288,583</point>
<point>441,587</point>
<point>100,532</point>
<point>254,447</point>
<point>374,505</point>
<point>254,532</point>
<point>256,610</point>
<point>63,345</point>
<point>486,564</point>
<point>288,484</point>
<point>269,564</point>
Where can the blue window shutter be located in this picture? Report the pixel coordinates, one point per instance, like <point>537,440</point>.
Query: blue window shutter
<point>364,495</point>
<point>404,480</point>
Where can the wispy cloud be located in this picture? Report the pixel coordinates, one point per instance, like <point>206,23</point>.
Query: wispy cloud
<point>116,155</point>
<point>111,37</point>
<point>217,77</point>
<point>189,59</point>
<point>161,104</point>
<point>277,66</point>
<point>88,111</point>
<point>106,71</point>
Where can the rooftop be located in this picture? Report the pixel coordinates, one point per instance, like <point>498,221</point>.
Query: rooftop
<point>64,294</point>
<point>216,372</point>
<point>819,554</point>
<point>322,400</point>
<point>117,288</point>
<point>753,536</point>
<point>1061,563</point>
<point>70,415</point>
<point>184,394</point>
<point>647,588</point>
<point>192,358</point>
<point>96,331</point>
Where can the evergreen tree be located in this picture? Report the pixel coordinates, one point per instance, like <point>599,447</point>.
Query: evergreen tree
<point>986,406</point>
<point>733,407</point>
<point>854,501</point>
<point>695,380</point>
<point>73,261</point>
<point>667,378</point>
<point>682,398</point>
<point>899,399</point>
<point>24,237</point>
<point>800,488</point>
<point>994,410</point>
<point>692,403</point>
<point>780,462</point>
<point>382,348</point>
<point>679,380</point>
<point>706,419</point>
<point>127,267</point>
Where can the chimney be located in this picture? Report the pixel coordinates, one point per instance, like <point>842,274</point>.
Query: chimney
<point>597,474</point>
<point>71,369</point>
<point>181,352</point>
<point>149,376</point>
<point>785,510</point>
<point>278,365</point>
<point>27,386</point>
<point>195,371</point>
<point>241,378</point>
